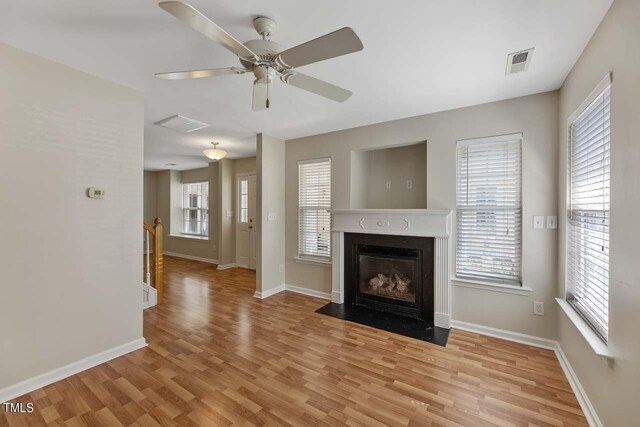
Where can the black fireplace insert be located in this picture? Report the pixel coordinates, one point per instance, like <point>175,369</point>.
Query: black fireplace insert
<point>393,274</point>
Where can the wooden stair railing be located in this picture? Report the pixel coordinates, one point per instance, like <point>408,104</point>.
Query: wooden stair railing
<point>155,275</point>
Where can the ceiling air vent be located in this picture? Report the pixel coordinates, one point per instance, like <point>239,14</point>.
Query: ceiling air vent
<point>518,62</point>
<point>181,124</point>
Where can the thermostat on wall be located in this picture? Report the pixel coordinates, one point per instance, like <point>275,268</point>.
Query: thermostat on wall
<point>95,193</point>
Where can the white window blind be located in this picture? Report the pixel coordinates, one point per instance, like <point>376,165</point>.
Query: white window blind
<point>489,209</point>
<point>195,207</point>
<point>588,222</point>
<point>314,209</point>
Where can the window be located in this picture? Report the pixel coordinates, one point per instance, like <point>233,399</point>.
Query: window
<point>489,209</point>
<point>314,209</point>
<point>195,207</point>
<point>588,223</point>
<point>244,200</point>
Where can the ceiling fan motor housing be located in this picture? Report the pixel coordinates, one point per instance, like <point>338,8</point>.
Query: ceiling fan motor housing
<point>266,67</point>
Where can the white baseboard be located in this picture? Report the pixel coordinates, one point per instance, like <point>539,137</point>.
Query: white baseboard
<point>50,377</point>
<point>227,266</point>
<point>191,257</point>
<point>505,335</point>
<point>291,288</point>
<point>588,409</point>
<point>585,404</point>
<point>269,292</point>
<point>308,292</point>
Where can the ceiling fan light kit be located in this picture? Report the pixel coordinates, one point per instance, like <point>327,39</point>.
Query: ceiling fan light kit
<point>267,59</point>
<point>215,153</point>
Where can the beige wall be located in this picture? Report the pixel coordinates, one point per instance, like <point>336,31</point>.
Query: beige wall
<point>271,198</point>
<point>614,47</point>
<point>247,165</point>
<point>71,266</point>
<point>195,175</point>
<point>396,165</point>
<point>536,116</point>
<point>150,191</point>
<point>359,180</point>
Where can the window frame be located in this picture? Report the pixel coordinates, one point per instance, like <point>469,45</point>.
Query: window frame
<point>243,178</point>
<point>604,85</point>
<point>186,209</point>
<point>486,280</point>
<point>301,254</point>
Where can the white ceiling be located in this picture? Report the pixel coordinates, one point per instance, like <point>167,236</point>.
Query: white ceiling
<point>420,56</point>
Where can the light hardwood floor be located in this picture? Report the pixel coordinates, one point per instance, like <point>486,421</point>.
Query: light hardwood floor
<point>218,356</point>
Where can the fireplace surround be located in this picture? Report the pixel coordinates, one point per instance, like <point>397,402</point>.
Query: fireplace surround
<point>431,223</point>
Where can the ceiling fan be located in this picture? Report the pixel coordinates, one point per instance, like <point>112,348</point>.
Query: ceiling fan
<point>266,59</point>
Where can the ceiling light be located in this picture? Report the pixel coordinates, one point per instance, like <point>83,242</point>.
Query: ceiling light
<point>214,153</point>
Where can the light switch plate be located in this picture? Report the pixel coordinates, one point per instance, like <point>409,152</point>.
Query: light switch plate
<point>388,185</point>
<point>552,222</point>
<point>272,216</point>
<point>229,214</point>
<point>538,222</point>
<point>409,184</point>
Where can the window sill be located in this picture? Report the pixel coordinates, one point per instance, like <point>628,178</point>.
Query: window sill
<point>188,237</point>
<point>312,261</point>
<point>493,287</point>
<point>595,342</point>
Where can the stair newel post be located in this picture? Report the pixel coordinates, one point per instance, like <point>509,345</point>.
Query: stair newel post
<point>158,262</point>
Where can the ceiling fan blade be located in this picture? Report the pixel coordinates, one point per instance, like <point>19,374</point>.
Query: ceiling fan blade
<point>261,93</point>
<point>332,45</point>
<point>317,86</point>
<point>196,74</point>
<point>196,20</point>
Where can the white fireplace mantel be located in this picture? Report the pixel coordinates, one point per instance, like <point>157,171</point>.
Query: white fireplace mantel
<point>398,222</point>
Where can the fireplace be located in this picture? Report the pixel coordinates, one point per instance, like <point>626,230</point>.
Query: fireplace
<point>390,273</point>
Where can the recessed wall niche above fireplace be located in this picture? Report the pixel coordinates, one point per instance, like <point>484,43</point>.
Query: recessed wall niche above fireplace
<point>388,273</point>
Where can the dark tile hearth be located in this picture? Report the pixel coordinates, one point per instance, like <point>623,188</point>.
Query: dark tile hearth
<point>412,328</point>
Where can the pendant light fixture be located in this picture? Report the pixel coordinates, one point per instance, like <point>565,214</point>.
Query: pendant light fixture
<point>215,153</point>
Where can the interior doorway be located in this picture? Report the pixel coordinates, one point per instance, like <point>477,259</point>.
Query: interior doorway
<point>246,220</point>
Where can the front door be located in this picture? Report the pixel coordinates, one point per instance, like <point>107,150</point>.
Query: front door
<point>246,226</point>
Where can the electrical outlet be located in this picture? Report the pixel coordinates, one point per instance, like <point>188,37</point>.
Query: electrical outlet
<point>538,308</point>
<point>281,268</point>
<point>409,184</point>
<point>538,222</point>
<point>552,222</point>
<point>388,185</point>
